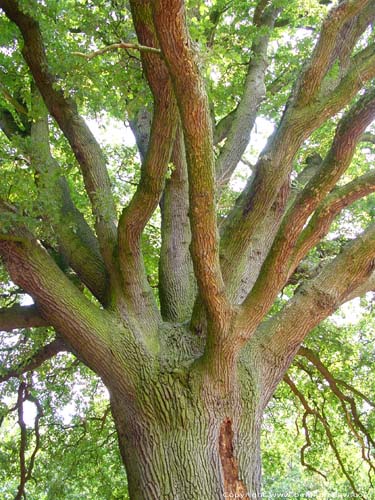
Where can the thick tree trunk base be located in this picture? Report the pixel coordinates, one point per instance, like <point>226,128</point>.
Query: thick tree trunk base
<point>178,449</point>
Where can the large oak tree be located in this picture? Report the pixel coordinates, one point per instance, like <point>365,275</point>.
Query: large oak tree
<point>190,369</point>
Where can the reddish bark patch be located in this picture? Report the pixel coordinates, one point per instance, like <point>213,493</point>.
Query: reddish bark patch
<point>233,486</point>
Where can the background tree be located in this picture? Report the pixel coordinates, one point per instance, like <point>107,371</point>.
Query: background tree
<point>192,356</point>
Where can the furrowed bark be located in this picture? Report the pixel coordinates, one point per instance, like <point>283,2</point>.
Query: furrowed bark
<point>141,128</point>
<point>238,136</point>
<point>177,287</point>
<point>82,141</point>
<point>280,337</point>
<point>321,59</point>
<point>276,268</point>
<point>77,242</point>
<point>274,165</point>
<point>321,221</point>
<point>15,317</point>
<point>183,65</point>
<point>154,169</point>
<point>80,322</point>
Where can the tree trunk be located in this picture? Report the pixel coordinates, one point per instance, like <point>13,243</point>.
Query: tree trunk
<point>178,445</point>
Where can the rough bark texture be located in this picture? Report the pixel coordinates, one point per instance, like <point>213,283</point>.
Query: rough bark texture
<point>189,380</point>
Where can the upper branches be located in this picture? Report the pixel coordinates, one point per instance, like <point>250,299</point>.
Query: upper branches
<point>243,118</point>
<point>64,110</point>
<point>184,68</point>
<point>306,111</point>
<point>321,59</point>
<point>277,267</point>
<point>154,167</point>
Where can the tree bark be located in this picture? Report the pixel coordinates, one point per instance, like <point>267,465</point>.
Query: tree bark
<point>184,439</point>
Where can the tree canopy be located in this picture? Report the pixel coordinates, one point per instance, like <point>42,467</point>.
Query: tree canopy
<point>219,242</point>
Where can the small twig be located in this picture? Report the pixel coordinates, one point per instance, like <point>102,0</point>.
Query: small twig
<point>115,46</point>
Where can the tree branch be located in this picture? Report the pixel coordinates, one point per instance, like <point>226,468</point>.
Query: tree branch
<point>322,419</point>
<point>353,419</point>
<point>276,268</point>
<point>280,337</point>
<point>77,242</point>
<point>15,317</point>
<point>84,326</point>
<point>154,168</point>
<point>8,124</point>
<point>321,59</point>
<point>321,221</point>
<point>183,65</point>
<point>16,104</point>
<point>82,141</point>
<point>37,359</point>
<point>254,91</point>
<point>275,163</point>
<point>177,287</point>
<point>116,46</point>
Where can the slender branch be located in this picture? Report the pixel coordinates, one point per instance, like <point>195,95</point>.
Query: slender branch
<point>321,221</point>
<point>82,141</point>
<point>17,316</point>
<point>26,470</point>
<point>16,104</point>
<point>368,137</point>
<point>8,124</point>
<point>37,359</point>
<point>353,418</point>
<point>23,441</point>
<point>116,46</point>
<point>254,92</point>
<point>322,419</point>
<point>223,127</point>
<point>321,59</point>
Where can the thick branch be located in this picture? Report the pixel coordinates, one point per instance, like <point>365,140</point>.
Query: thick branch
<point>177,287</point>
<point>276,268</point>
<point>17,316</point>
<point>77,242</point>
<point>275,163</point>
<point>154,168</point>
<point>281,336</point>
<point>64,110</point>
<point>183,64</point>
<point>85,327</point>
